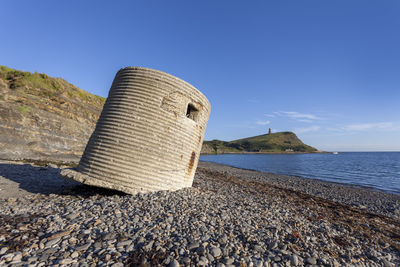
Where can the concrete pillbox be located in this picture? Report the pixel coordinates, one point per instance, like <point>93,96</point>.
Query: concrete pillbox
<point>149,134</point>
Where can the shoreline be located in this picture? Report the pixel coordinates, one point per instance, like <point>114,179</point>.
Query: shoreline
<point>367,198</point>
<point>356,186</point>
<point>229,217</point>
<point>278,152</point>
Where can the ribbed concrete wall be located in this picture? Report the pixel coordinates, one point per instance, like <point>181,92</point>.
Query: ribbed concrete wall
<point>149,134</point>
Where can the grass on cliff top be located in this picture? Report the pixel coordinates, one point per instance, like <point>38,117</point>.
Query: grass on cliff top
<point>44,86</point>
<point>275,142</point>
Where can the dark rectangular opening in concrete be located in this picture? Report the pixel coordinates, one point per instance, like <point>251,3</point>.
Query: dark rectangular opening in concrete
<point>192,112</point>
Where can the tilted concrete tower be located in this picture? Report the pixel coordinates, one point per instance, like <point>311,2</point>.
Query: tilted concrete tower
<point>149,134</point>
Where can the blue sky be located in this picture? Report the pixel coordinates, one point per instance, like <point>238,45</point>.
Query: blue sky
<point>327,70</point>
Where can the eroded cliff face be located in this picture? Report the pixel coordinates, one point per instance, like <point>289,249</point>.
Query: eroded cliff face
<point>44,118</point>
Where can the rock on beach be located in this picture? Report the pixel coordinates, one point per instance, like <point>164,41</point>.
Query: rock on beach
<point>230,217</point>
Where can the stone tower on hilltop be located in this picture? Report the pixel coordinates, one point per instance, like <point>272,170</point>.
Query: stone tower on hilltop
<point>269,131</point>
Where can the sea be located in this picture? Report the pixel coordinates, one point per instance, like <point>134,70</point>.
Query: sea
<point>375,170</point>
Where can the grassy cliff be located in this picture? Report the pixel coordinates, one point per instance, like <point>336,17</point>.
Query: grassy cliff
<point>43,117</point>
<point>39,84</point>
<point>275,142</point>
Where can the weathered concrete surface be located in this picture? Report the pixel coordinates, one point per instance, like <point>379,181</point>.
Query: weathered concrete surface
<point>148,136</point>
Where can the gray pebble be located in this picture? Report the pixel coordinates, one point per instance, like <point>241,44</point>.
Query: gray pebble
<point>17,257</point>
<point>200,250</point>
<point>124,243</point>
<point>312,260</point>
<point>66,261</point>
<point>193,245</point>
<point>3,250</point>
<point>51,242</point>
<point>216,252</point>
<point>72,216</point>
<point>83,247</point>
<point>259,249</point>
<point>386,263</point>
<point>229,261</point>
<point>170,219</point>
<point>294,260</point>
<point>174,263</point>
<point>273,245</point>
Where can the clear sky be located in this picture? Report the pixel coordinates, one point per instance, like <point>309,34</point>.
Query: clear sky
<point>327,70</point>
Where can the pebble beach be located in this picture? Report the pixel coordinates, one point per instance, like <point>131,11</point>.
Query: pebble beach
<point>230,217</point>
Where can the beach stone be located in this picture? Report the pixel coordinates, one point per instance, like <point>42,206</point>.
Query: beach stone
<point>193,245</point>
<point>3,250</point>
<point>32,259</point>
<point>17,257</point>
<point>74,255</point>
<point>66,261</point>
<point>259,249</point>
<point>174,263</point>
<point>83,247</point>
<point>8,257</point>
<point>109,236</point>
<point>216,252</point>
<point>385,262</point>
<point>335,263</point>
<point>312,260</point>
<point>72,216</point>
<point>200,250</point>
<point>229,261</point>
<point>294,260</point>
<point>273,245</point>
<point>124,243</point>
<point>44,258</point>
<point>97,245</point>
<point>49,251</point>
<point>170,219</point>
<point>223,240</point>
<point>203,261</point>
<point>277,259</point>
<point>51,242</point>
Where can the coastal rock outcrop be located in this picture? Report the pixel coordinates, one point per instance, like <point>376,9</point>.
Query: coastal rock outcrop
<point>44,118</point>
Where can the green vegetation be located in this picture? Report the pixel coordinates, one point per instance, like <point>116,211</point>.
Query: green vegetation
<point>44,163</point>
<point>23,109</point>
<point>40,84</point>
<point>275,142</point>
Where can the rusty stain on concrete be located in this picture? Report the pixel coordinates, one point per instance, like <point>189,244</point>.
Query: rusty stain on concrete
<point>191,161</point>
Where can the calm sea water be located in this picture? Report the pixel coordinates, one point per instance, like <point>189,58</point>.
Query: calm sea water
<point>378,170</point>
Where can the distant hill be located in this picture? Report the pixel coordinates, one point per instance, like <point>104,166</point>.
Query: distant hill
<point>274,142</point>
<point>44,118</point>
